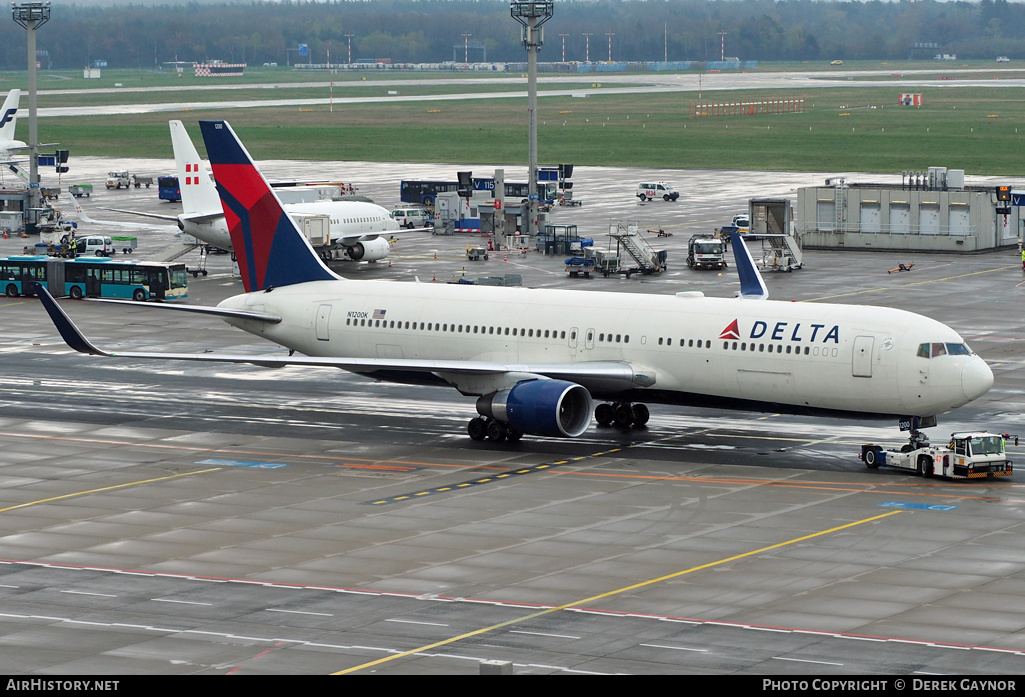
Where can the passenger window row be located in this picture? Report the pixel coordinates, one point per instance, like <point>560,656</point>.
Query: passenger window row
<point>778,348</point>
<point>688,343</point>
<point>457,328</point>
<point>515,331</point>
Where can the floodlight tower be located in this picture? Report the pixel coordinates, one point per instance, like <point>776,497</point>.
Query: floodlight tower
<point>31,16</point>
<point>531,15</point>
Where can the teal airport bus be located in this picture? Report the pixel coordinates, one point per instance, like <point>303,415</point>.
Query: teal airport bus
<point>94,278</point>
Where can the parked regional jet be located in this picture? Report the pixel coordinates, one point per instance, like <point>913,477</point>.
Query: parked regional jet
<point>356,226</point>
<point>535,359</point>
<point>8,122</point>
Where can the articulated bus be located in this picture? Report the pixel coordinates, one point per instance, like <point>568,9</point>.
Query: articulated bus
<point>94,278</point>
<point>424,192</point>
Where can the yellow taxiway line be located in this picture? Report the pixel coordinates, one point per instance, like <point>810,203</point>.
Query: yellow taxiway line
<point>107,488</point>
<point>625,589</point>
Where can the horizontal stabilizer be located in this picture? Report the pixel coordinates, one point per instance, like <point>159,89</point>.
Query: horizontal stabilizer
<point>200,309</point>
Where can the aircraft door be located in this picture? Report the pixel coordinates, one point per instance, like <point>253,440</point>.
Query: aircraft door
<point>862,362</point>
<point>573,338</point>
<point>589,339</point>
<point>323,317</point>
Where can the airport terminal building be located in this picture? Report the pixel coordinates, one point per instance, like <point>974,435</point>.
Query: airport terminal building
<point>928,212</point>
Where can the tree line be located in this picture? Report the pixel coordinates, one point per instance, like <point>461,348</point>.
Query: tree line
<point>432,31</point>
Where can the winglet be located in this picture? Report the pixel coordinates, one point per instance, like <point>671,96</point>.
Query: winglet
<point>752,287</point>
<point>69,332</point>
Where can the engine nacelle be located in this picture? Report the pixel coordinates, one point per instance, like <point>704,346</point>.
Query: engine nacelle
<point>368,250</point>
<point>541,407</point>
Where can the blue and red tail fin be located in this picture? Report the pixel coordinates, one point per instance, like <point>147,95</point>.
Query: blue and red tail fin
<point>270,249</point>
<point>752,287</point>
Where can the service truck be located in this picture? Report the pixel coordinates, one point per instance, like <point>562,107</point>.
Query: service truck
<point>968,455</point>
<point>707,252</point>
<point>118,180</point>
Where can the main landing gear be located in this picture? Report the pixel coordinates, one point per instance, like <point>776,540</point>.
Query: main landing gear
<point>492,429</point>
<point>622,414</point>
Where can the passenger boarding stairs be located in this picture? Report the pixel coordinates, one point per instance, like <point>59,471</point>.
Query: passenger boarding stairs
<point>180,248</point>
<point>782,253</point>
<point>22,174</point>
<point>648,259</point>
<point>184,245</point>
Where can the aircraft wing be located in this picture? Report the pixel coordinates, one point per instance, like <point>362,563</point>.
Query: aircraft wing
<point>467,376</point>
<point>26,147</point>
<point>350,240</point>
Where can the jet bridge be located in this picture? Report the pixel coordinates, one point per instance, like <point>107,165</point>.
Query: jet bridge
<point>772,223</point>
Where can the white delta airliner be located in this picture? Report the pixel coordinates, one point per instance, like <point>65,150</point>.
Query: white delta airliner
<point>536,359</point>
<point>356,226</point>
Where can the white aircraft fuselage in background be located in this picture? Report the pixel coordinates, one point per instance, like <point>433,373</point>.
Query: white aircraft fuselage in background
<point>357,226</point>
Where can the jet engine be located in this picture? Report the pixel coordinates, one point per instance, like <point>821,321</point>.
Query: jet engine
<point>541,407</point>
<point>368,250</point>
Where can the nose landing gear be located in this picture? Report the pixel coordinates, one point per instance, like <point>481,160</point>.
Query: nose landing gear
<point>622,414</point>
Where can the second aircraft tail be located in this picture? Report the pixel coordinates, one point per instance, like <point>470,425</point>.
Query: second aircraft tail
<point>199,193</point>
<point>270,248</point>
<point>9,115</point>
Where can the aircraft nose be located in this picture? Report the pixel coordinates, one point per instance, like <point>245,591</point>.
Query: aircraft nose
<point>976,378</point>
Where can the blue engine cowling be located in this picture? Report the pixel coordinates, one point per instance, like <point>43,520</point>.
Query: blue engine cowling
<point>541,407</point>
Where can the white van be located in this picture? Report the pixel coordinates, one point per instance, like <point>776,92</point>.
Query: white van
<point>652,190</point>
<point>412,217</point>
<point>94,246</point>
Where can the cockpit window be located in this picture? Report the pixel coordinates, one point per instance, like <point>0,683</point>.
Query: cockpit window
<point>937,349</point>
